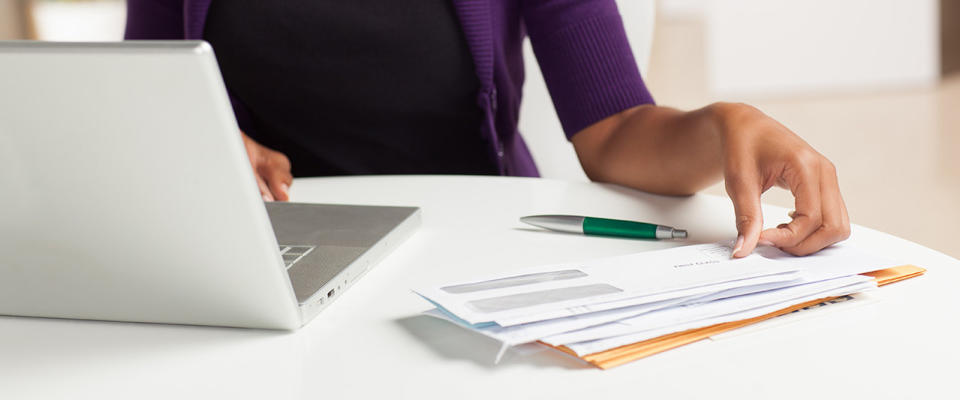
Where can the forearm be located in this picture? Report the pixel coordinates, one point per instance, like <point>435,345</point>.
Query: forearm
<point>655,149</point>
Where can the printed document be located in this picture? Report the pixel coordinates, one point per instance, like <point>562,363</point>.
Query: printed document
<point>686,314</point>
<point>593,346</point>
<point>647,277</point>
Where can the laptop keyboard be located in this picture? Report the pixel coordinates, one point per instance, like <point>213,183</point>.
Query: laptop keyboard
<point>292,254</point>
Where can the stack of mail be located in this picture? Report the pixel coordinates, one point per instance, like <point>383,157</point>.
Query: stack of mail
<point>603,304</point>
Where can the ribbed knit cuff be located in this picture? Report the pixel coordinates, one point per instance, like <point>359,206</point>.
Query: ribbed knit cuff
<point>590,71</point>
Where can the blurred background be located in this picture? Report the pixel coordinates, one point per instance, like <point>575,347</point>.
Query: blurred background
<point>872,84</point>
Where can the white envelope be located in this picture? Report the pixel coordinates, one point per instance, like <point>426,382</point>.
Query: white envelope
<point>594,346</point>
<point>562,290</point>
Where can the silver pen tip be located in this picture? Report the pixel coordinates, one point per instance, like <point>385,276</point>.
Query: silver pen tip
<point>679,234</point>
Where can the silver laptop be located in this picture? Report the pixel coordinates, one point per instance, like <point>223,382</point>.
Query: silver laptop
<point>126,195</point>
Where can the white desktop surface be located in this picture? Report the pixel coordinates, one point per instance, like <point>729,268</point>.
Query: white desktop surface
<point>373,342</point>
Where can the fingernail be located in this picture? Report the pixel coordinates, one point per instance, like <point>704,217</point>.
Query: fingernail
<point>267,198</point>
<point>737,246</point>
<point>764,242</point>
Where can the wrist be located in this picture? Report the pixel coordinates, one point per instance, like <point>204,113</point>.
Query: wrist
<point>726,118</point>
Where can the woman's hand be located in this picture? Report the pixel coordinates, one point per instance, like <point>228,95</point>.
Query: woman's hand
<point>667,151</point>
<point>758,153</point>
<point>271,168</point>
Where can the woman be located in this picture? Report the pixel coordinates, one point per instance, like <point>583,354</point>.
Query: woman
<point>327,87</point>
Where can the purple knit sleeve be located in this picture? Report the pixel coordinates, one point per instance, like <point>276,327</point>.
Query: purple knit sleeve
<point>154,20</point>
<point>585,58</point>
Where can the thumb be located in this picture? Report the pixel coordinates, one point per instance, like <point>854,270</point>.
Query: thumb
<point>745,194</point>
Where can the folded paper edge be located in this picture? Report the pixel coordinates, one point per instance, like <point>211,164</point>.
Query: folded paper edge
<point>631,352</point>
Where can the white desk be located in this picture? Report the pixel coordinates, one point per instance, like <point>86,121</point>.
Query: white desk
<point>372,343</point>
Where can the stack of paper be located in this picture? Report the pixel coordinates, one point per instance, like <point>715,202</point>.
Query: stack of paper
<point>604,304</point>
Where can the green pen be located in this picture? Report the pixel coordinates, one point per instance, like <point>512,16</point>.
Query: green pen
<point>604,227</point>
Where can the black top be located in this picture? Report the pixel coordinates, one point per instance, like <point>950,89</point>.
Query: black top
<point>354,86</point>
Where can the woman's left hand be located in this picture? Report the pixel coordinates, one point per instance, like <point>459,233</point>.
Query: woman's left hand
<point>758,153</point>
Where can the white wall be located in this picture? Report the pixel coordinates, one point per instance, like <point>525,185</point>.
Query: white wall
<point>788,47</point>
<point>102,20</point>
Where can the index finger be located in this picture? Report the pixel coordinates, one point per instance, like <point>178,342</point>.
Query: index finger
<point>279,183</point>
<point>744,191</point>
<point>264,189</point>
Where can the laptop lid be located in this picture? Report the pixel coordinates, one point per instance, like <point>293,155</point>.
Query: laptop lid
<point>127,192</point>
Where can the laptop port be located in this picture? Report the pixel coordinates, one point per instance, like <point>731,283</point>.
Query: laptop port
<point>331,292</point>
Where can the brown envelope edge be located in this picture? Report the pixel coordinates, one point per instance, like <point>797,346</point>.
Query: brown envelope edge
<point>632,352</point>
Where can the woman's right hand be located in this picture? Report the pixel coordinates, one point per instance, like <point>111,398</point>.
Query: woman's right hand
<point>271,168</point>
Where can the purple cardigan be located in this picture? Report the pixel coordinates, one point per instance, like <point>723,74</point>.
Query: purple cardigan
<point>580,45</point>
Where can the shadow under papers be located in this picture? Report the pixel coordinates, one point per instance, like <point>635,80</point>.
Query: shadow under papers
<point>455,342</point>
